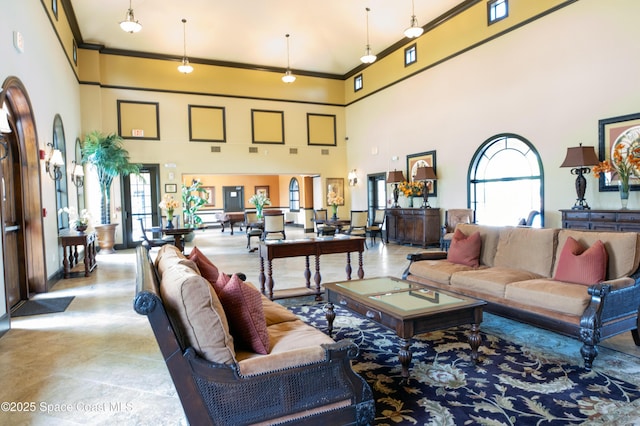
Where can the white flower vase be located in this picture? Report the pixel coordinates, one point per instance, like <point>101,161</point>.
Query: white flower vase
<point>417,202</point>
<point>404,202</point>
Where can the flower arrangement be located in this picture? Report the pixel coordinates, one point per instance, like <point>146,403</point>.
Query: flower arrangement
<point>169,204</point>
<point>624,162</point>
<point>259,200</point>
<point>411,189</point>
<point>333,199</point>
<point>79,221</point>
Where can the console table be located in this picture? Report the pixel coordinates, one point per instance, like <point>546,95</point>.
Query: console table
<point>413,226</point>
<point>603,220</point>
<point>70,240</point>
<point>277,249</point>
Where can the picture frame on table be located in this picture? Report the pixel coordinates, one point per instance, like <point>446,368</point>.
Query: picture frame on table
<point>264,190</point>
<point>422,159</point>
<point>336,185</point>
<point>170,188</point>
<point>611,132</point>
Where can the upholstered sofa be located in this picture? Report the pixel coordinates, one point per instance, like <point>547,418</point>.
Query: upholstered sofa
<point>529,275</point>
<point>237,358</point>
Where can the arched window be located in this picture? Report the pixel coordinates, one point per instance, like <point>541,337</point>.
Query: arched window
<point>506,181</point>
<point>294,195</point>
<point>62,196</point>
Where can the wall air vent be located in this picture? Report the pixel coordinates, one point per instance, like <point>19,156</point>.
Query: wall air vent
<point>324,151</point>
<point>293,150</point>
<point>215,149</point>
<point>253,150</point>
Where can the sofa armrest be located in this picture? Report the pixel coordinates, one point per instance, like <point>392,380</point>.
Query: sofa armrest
<point>428,255</point>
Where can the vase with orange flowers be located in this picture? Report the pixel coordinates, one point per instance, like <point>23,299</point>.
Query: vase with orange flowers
<point>623,165</point>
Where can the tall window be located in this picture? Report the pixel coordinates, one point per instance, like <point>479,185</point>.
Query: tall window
<point>506,181</point>
<point>62,196</point>
<point>294,195</point>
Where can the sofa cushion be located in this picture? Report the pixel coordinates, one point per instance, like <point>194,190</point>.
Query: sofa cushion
<point>489,280</point>
<point>489,236</point>
<point>530,249</point>
<point>167,256</point>
<point>243,307</point>
<point>275,313</point>
<point>546,293</point>
<point>465,250</point>
<point>201,320</point>
<point>206,267</point>
<point>581,265</point>
<point>439,271</point>
<point>622,249</point>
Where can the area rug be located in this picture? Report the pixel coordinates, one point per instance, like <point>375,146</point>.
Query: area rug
<point>511,384</point>
<point>42,306</point>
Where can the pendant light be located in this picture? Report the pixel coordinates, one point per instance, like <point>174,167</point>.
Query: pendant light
<point>288,77</point>
<point>185,67</point>
<point>130,24</point>
<point>414,30</point>
<point>368,57</point>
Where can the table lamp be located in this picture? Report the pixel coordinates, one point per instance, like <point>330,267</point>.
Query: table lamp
<point>580,158</point>
<point>425,174</point>
<point>395,177</point>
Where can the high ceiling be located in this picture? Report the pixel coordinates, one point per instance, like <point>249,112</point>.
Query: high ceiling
<point>326,36</point>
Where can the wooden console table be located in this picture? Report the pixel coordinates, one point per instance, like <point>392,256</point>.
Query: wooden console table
<point>70,240</point>
<point>270,250</point>
<point>603,220</point>
<point>413,226</point>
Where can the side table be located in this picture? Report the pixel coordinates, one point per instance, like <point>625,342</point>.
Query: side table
<point>70,240</point>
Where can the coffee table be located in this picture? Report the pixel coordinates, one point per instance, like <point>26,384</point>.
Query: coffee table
<point>407,308</point>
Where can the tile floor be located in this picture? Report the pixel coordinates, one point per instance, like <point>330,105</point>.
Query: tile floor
<point>97,363</point>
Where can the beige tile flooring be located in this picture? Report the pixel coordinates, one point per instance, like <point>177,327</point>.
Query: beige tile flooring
<point>98,363</point>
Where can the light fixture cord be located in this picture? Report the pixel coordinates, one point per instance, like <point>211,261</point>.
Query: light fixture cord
<point>367,9</point>
<point>184,37</point>
<point>288,67</point>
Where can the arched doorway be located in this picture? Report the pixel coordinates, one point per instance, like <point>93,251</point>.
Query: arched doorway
<point>22,228</point>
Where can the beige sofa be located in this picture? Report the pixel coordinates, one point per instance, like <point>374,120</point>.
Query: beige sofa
<point>515,276</point>
<point>303,376</point>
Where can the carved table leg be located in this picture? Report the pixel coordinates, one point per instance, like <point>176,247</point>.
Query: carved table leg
<point>317,278</point>
<point>307,272</point>
<point>348,267</point>
<point>330,314</point>
<point>405,356</point>
<point>261,278</point>
<point>474,341</point>
<point>270,279</point>
<point>65,261</point>
<point>360,269</point>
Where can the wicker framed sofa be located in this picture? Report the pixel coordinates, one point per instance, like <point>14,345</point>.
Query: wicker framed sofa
<point>237,358</point>
<point>584,284</point>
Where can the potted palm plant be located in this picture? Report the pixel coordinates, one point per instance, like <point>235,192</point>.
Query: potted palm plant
<point>194,197</point>
<point>106,154</point>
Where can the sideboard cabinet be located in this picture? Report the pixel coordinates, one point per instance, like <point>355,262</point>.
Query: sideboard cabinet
<point>603,220</point>
<point>413,226</point>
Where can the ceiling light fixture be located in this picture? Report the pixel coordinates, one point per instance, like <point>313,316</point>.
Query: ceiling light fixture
<point>288,77</point>
<point>130,24</point>
<point>368,57</point>
<point>414,30</point>
<point>184,67</point>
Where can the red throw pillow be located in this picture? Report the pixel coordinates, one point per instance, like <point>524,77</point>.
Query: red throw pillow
<point>580,266</point>
<point>465,250</point>
<point>207,269</point>
<point>242,305</point>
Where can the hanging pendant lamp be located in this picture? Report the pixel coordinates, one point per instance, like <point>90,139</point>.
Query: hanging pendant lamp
<point>414,29</point>
<point>185,67</point>
<point>288,77</point>
<point>130,24</point>
<point>368,57</point>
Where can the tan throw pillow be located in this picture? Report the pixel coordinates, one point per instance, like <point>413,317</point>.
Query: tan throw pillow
<point>582,266</point>
<point>243,306</point>
<point>192,302</point>
<point>465,250</point>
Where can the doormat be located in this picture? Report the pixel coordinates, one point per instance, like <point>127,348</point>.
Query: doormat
<point>42,306</point>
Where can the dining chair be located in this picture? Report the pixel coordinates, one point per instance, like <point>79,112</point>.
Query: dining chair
<point>252,226</point>
<point>376,225</point>
<point>274,227</point>
<point>149,243</point>
<point>358,225</point>
<point>319,218</point>
<point>452,218</point>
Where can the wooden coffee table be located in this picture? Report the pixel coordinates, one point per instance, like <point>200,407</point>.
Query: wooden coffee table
<point>407,308</point>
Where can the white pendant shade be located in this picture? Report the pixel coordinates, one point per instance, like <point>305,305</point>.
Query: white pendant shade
<point>130,24</point>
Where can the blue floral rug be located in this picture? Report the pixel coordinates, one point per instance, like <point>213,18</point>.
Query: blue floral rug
<point>511,385</point>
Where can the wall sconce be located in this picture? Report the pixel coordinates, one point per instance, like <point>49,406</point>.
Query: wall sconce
<point>54,162</point>
<point>580,158</point>
<point>425,174</point>
<point>77,174</point>
<point>395,177</point>
<point>353,178</point>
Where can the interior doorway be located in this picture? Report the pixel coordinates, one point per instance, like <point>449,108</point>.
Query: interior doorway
<point>141,198</point>
<point>376,192</point>
<point>233,198</point>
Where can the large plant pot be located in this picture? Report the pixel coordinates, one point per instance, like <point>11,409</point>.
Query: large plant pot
<point>106,237</point>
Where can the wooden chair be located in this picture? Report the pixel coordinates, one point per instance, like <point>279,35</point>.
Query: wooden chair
<point>319,218</point>
<point>253,230</point>
<point>274,227</point>
<point>376,225</point>
<point>358,225</point>
<point>153,242</point>
<point>453,217</point>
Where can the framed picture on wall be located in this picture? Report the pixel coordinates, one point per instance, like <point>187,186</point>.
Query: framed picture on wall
<point>211,196</point>
<point>170,188</point>
<point>622,132</point>
<point>422,159</point>
<point>336,185</point>
<point>264,190</point>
